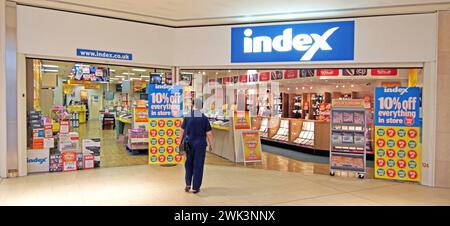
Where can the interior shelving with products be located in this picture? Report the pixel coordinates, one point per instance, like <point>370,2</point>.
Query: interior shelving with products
<point>283,131</point>
<point>264,129</point>
<point>306,136</point>
<point>278,104</point>
<point>348,139</point>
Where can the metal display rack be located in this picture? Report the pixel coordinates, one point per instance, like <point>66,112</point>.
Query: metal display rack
<point>348,140</point>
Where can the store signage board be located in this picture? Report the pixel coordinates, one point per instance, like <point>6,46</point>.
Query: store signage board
<point>165,103</point>
<point>243,78</point>
<point>104,54</point>
<point>328,72</point>
<point>290,74</point>
<point>242,120</point>
<point>264,76</point>
<point>384,72</point>
<point>251,144</point>
<point>305,42</point>
<point>397,133</point>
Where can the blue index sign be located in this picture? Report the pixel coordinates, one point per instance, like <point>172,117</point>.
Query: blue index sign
<point>398,106</point>
<point>165,101</point>
<point>104,54</point>
<point>305,42</point>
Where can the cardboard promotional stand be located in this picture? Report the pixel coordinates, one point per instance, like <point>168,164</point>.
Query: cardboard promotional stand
<point>398,127</point>
<point>348,140</point>
<point>165,114</point>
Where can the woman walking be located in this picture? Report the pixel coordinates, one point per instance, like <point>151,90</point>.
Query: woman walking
<point>196,130</point>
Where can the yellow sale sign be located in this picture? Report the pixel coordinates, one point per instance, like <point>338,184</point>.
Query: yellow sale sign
<point>251,146</point>
<point>164,141</point>
<point>398,155</point>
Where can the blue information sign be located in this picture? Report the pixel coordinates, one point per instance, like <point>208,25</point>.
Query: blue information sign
<point>165,101</point>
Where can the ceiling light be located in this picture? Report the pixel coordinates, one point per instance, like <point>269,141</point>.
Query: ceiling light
<point>120,76</point>
<point>310,87</point>
<point>139,70</point>
<point>303,87</point>
<point>204,73</point>
<point>353,85</point>
<point>145,76</point>
<point>112,70</point>
<point>337,86</point>
<point>296,88</point>
<point>126,73</point>
<point>51,70</point>
<point>288,88</point>
<point>217,73</point>
<point>343,86</point>
<point>229,71</point>
<point>50,66</point>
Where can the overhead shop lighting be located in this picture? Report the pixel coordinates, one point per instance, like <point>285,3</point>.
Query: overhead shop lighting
<point>51,70</point>
<point>138,70</point>
<point>50,66</point>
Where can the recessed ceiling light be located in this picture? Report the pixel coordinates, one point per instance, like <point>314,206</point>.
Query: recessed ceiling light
<point>112,70</point>
<point>353,85</point>
<point>303,87</point>
<point>50,66</point>
<point>310,87</point>
<point>139,70</point>
<point>51,70</point>
<point>126,73</point>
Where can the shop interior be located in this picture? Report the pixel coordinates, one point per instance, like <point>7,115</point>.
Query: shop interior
<point>292,108</point>
<point>96,113</point>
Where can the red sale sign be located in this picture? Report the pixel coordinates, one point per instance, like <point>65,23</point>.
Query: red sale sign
<point>243,78</point>
<point>327,72</point>
<point>290,74</point>
<point>384,72</point>
<point>264,76</point>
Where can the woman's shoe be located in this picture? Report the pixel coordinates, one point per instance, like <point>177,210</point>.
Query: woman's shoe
<point>187,188</point>
<point>195,191</point>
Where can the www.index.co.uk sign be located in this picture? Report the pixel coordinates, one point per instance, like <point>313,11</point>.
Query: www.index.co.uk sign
<point>327,41</point>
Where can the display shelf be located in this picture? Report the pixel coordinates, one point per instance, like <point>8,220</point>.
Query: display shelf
<point>306,136</point>
<point>348,144</point>
<point>264,130</point>
<point>283,131</point>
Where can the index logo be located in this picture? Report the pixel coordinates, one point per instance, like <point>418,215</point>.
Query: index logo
<point>311,43</point>
<point>326,41</point>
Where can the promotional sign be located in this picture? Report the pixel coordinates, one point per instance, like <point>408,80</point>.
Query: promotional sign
<point>243,78</point>
<point>354,72</point>
<point>251,144</point>
<point>69,161</point>
<point>327,72</point>
<point>290,74</point>
<point>276,75</point>
<point>324,41</point>
<point>241,120</point>
<point>397,133</point>
<point>264,76</point>
<point>384,72</point>
<point>305,73</point>
<point>140,114</point>
<point>226,80</point>
<point>165,119</point>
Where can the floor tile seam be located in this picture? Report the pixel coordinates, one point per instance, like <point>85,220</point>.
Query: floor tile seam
<point>301,199</point>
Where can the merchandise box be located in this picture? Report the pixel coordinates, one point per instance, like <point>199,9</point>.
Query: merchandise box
<point>38,160</point>
<point>92,147</point>
<point>88,161</point>
<point>49,143</point>
<point>80,160</point>
<point>69,142</point>
<point>38,133</point>
<point>38,143</point>
<point>64,127</point>
<point>55,163</point>
<point>48,131</point>
<point>69,161</point>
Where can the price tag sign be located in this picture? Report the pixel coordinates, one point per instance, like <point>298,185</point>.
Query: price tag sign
<point>398,125</point>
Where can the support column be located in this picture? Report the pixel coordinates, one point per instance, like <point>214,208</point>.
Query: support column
<point>442,170</point>
<point>3,140</point>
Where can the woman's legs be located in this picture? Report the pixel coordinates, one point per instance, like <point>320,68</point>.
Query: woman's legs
<point>189,167</point>
<point>199,162</point>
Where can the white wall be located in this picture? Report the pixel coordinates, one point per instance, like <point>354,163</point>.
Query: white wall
<point>51,33</point>
<point>388,39</point>
<point>3,155</point>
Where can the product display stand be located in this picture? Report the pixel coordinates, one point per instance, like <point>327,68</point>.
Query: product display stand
<point>348,140</point>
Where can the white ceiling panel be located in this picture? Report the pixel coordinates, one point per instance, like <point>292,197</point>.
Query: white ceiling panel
<point>179,13</point>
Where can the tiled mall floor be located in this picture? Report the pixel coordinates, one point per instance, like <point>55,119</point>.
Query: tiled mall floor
<point>223,185</point>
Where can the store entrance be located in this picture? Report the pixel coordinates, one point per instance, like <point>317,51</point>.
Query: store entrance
<point>83,115</point>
